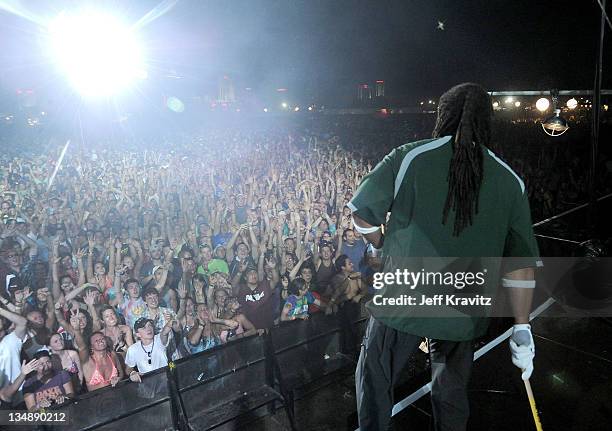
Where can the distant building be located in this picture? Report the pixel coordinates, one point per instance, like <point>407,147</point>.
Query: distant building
<point>226,90</point>
<point>364,92</point>
<point>380,88</point>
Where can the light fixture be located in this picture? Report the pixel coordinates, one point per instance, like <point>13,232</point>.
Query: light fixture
<point>517,104</point>
<point>509,99</point>
<point>495,104</point>
<point>572,103</point>
<point>542,104</point>
<point>284,105</point>
<point>98,53</point>
<point>555,125</point>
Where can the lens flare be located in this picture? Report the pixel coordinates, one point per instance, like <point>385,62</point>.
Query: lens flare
<point>98,53</point>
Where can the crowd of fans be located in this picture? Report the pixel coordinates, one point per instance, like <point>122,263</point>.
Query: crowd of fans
<point>128,259</point>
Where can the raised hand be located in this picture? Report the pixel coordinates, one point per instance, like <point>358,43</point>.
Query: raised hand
<point>168,318</point>
<point>272,262</point>
<point>27,368</point>
<point>90,298</point>
<point>243,265</point>
<point>75,321</point>
<point>182,291</point>
<point>26,294</point>
<point>60,303</point>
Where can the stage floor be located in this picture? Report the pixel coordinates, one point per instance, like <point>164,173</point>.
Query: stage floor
<point>572,385</point>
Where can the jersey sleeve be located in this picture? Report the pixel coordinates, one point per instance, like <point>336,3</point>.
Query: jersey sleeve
<point>521,247</point>
<point>374,196</point>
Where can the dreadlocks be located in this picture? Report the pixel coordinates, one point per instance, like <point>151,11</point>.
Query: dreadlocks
<point>464,112</point>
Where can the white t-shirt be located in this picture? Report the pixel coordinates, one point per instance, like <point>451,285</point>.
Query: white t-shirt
<point>10,366</point>
<point>137,355</point>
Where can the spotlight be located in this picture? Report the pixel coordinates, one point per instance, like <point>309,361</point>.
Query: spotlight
<point>265,109</point>
<point>310,108</point>
<point>542,104</point>
<point>509,99</point>
<point>97,52</point>
<point>495,105</point>
<point>296,109</point>
<point>555,125</point>
<point>572,103</point>
<point>284,105</point>
<point>517,103</point>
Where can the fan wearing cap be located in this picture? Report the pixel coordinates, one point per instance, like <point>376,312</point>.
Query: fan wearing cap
<point>149,352</point>
<point>46,387</point>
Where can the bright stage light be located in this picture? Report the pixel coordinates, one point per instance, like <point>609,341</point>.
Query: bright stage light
<point>98,53</point>
<point>572,103</point>
<point>542,104</point>
<point>284,105</point>
<point>496,105</point>
<point>509,99</point>
<point>517,104</point>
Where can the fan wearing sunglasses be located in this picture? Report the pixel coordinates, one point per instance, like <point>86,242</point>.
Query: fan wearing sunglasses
<point>149,353</point>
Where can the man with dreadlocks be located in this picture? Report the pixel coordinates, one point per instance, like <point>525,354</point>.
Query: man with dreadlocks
<point>448,200</point>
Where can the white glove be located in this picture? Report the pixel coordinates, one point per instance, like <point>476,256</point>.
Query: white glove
<point>523,349</point>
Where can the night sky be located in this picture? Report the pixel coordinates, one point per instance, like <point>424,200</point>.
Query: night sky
<point>322,49</point>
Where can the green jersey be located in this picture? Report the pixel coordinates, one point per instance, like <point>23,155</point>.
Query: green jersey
<point>406,192</point>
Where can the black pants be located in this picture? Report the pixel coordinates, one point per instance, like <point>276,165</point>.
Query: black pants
<point>348,313</point>
<point>385,352</point>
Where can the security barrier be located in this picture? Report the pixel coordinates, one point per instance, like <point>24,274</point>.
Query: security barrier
<point>227,386</point>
